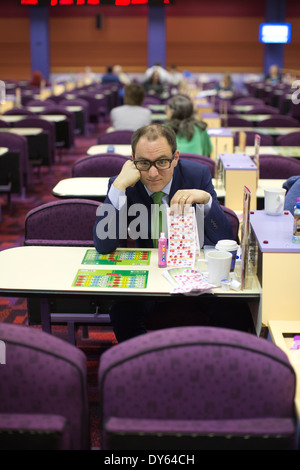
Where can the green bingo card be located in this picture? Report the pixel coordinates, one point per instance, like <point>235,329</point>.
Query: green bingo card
<point>111,278</point>
<point>118,257</point>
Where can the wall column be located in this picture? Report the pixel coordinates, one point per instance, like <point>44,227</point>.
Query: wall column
<point>39,40</point>
<point>274,53</point>
<point>156,35</point>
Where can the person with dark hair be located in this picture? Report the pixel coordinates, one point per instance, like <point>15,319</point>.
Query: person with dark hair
<point>154,84</point>
<point>191,134</point>
<point>110,76</point>
<point>132,114</point>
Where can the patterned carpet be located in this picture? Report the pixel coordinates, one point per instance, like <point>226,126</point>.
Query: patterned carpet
<point>14,310</point>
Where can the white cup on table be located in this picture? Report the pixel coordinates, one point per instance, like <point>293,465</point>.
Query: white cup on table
<point>274,200</point>
<point>218,266</point>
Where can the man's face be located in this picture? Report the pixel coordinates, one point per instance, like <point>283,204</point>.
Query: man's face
<point>154,179</point>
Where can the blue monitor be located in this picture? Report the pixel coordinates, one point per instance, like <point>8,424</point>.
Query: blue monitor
<point>275,33</point>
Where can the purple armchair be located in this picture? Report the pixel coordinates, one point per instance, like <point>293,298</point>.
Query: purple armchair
<point>67,222</point>
<point>104,164</point>
<point>200,159</point>
<point>43,400</point>
<point>196,388</point>
<point>278,167</point>
<point>291,139</point>
<point>266,140</point>
<point>115,137</point>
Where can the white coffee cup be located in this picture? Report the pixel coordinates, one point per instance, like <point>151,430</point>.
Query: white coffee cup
<point>231,246</point>
<point>274,200</point>
<point>218,265</point>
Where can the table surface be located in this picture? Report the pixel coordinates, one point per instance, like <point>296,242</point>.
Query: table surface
<point>26,131</point>
<point>97,187</point>
<point>3,150</point>
<point>266,130</point>
<point>11,118</point>
<point>286,151</point>
<point>45,271</point>
<point>119,149</point>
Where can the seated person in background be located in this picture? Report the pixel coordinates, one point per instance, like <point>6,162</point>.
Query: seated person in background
<point>225,88</point>
<point>131,115</point>
<point>154,84</point>
<point>155,167</point>
<point>163,74</point>
<point>38,80</point>
<point>110,77</point>
<point>292,186</point>
<point>191,134</point>
<point>273,76</point>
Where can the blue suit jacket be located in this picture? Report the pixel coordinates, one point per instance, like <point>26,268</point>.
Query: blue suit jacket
<point>187,175</point>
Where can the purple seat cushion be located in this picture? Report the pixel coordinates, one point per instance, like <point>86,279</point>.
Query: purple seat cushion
<point>44,375</point>
<point>196,373</point>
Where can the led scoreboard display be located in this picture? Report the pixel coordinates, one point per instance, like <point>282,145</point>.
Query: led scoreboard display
<point>53,3</point>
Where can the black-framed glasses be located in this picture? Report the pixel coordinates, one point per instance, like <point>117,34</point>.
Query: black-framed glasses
<point>160,164</point>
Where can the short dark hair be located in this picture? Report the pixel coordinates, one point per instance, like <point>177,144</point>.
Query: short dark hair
<point>134,94</point>
<point>153,132</point>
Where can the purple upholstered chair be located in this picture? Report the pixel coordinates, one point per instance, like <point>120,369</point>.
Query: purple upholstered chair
<point>104,164</point>
<point>200,159</point>
<point>4,123</point>
<point>67,222</point>
<point>279,121</point>
<point>49,129</point>
<point>233,121</point>
<point>18,144</point>
<point>19,111</point>
<point>85,111</point>
<point>196,388</point>
<point>115,137</point>
<point>278,167</point>
<point>291,139</point>
<point>43,397</point>
<point>266,140</point>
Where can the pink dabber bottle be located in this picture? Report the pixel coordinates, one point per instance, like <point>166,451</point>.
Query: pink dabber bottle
<point>162,251</point>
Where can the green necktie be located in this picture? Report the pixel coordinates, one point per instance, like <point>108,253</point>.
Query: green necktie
<point>158,218</point>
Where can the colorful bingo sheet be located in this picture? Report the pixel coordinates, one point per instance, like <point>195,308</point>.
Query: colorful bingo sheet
<point>183,239</point>
<point>118,257</point>
<point>111,278</point>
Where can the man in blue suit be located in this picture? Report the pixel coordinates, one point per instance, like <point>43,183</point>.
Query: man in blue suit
<point>155,166</point>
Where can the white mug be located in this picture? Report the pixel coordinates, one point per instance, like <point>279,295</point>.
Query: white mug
<point>218,264</point>
<point>274,200</point>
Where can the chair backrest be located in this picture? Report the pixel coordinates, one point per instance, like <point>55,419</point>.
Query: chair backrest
<point>47,126</point>
<point>4,123</point>
<point>38,103</point>
<point>201,159</point>
<point>248,100</point>
<point>115,137</point>
<point>67,222</point>
<point>292,139</point>
<point>19,111</point>
<point>238,122</point>
<point>278,167</point>
<point>266,140</point>
<point>18,144</point>
<point>188,391</point>
<point>235,222</point>
<point>279,121</point>
<point>48,408</point>
<point>105,164</point>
